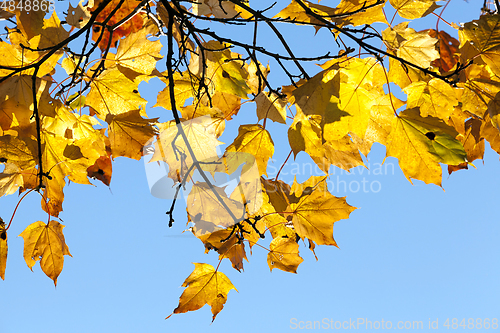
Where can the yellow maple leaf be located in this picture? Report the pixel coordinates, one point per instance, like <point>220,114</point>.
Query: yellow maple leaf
<point>319,95</point>
<point>14,114</point>
<point>215,8</point>
<point>184,88</point>
<point>51,34</point>
<point>305,134</point>
<point>420,144</point>
<point>294,11</point>
<point>277,193</point>
<point>220,107</point>
<point>19,151</point>
<point>353,112</point>
<point>52,196</point>
<point>227,245</point>
<point>138,53</point>
<point>277,225</point>
<point>13,56</point>
<point>275,201</point>
<point>494,111</point>
<point>70,62</point>
<point>45,242</point>
<point>435,98</point>
<point>413,9</point>
<point>113,93</point>
<point>360,16</point>
<point>270,105</point>
<point>79,15</point>
<point>204,285</point>
<point>478,93</point>
<point>342,153</point>
<point>16,98</point>
<point>171,148</point>
<point>223,71</point>
<point>284,254</point>
<point>394,36</point>
<point>312,183</point>
<point>379,124</point>
<point>490,133</point>
<point>255,81</point>
<point>315,213</point>
<point>62,158</point>
<point>352,98</point>
<point>248,191</point>
<point>255,140</point>
<point>472,140</point>
<point>217,121</point>
<point>484,35</point>
<point>72,125</point>
<point>10,179</point>
<point>209,203</point>
<point>403,76</point>
<point>3,249</point>
<point>227,104</point>
<point>128,133</point>
<point>30,22</point>
<point>420,50</point>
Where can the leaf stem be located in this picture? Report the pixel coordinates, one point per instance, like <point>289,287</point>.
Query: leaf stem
<point>15,209</point>
<point>284,163</point>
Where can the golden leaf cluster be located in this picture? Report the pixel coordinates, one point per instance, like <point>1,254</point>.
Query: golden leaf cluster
<point>55,131</point>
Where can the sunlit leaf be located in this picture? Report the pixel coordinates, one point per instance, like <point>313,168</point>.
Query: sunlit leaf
<point>271,106</point>
<point>421,144</point>
<point>484,35</point>
<point>413,9</point>
<point>138,53</point>
<point>315,213</point>
<point>123,9</point>
<point>128,133</point>
<point>113,93</point>
<point>201,140</point>
<point>204,285</point>
<point>255,140</point>
<point>435,98</point>
<point>284,254</point>
<point>45,242</point>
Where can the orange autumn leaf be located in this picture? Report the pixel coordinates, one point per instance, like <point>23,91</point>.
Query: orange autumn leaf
<point>125,9</point>
<point>101,170</point>
<point>448,49</point>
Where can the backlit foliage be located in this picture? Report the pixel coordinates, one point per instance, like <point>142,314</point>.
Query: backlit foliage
<point>70,104</point>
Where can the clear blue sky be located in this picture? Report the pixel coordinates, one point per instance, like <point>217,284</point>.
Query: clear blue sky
<point>410,253</point>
